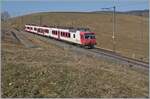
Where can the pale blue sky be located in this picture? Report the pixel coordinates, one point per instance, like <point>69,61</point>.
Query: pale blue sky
<point>21,7</point>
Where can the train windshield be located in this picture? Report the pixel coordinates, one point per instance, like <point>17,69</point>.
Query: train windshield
<point>89,36</point>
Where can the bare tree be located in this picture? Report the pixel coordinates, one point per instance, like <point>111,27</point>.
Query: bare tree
<point>5,16</point>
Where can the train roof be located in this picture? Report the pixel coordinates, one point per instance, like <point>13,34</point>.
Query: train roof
<point>65,27</point>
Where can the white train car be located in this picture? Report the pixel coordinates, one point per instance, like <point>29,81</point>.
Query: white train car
<point>77,36</point>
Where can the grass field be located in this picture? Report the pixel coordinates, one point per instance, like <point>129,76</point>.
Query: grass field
<point>51,71</point>
<point>131,33</point>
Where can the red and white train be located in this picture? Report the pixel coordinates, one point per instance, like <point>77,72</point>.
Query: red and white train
<point>80,36</point>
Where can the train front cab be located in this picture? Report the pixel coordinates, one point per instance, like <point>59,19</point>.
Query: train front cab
<point>88,39</point>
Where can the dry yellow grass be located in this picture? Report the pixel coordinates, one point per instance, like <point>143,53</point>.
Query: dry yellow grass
<point>131,35</point>
<point>50,71</point>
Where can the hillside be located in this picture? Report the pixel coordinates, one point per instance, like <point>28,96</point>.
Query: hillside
<point>52,71</point>
<point>131,32</point>
<point>144,13</point>
<point>138,12</point>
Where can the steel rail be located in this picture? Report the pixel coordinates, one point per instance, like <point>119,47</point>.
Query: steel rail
<point>109,54</point>
<point>128,60</point>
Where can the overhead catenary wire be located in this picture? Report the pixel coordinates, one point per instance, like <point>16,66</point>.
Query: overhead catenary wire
<point>141,38</point>
<point>118,6</point>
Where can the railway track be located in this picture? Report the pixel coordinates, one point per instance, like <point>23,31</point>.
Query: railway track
<point>97,52</point>
<point>23,39</point>
<point>121,58</point>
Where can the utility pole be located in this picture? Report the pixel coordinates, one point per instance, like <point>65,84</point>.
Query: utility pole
<point>22,22</point>
<point>141,27</point>
<point>40,20</point>
<point>141,32</point>
<point>114,27</point>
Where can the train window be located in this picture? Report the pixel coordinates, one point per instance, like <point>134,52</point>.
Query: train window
<point>42,31</point>
<point>73,35</point>
<point>93,37</point>
<point>28,27</point>
<point>61,33</point>
<point>31,28</point>
<point>56,32</point>
<point>64,34</point>
<point>35,29</point>
<point>38,30</point>
<point>46,30</point>
<point>68,34</point>
<point>89,36</point>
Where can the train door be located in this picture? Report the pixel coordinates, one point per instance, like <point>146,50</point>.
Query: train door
<point>73,37</point>
<point>58,34</point>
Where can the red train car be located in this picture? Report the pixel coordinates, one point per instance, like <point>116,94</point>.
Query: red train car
<point>80,36</point>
